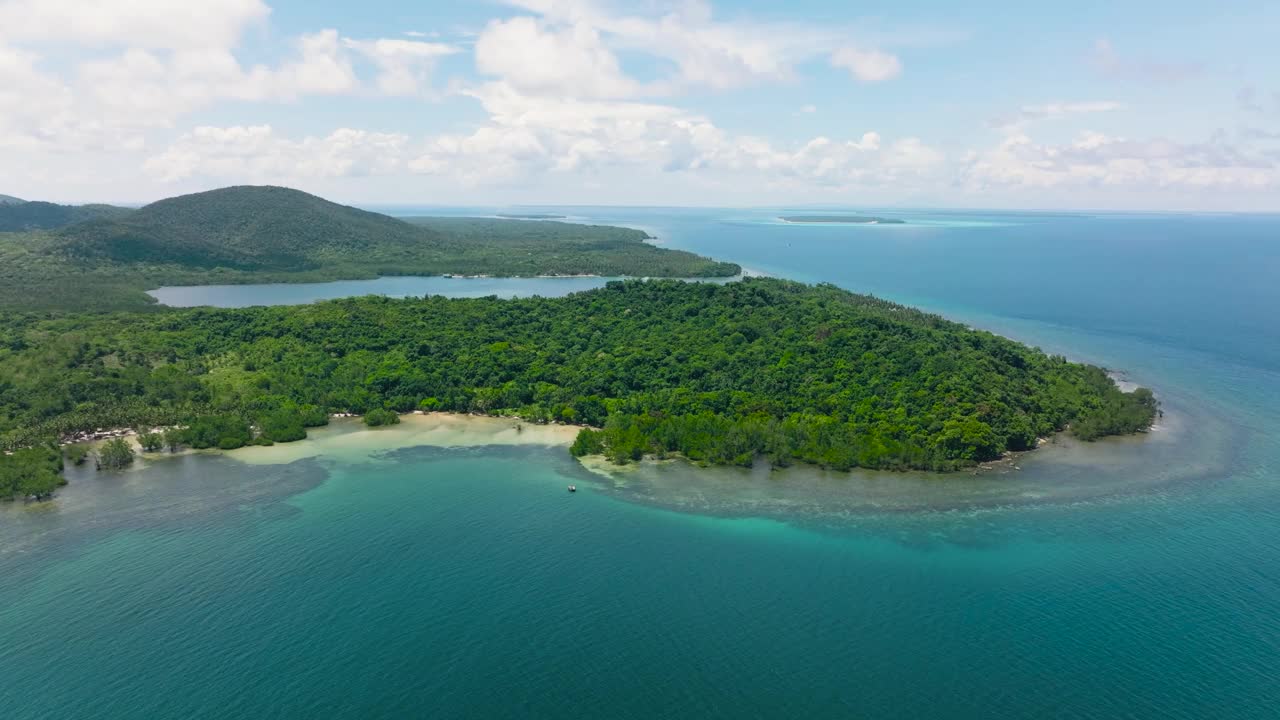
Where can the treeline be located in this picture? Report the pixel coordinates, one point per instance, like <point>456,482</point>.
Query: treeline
<point>719,373</point>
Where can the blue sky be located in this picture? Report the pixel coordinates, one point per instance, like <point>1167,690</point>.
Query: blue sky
<point>1133,105</point>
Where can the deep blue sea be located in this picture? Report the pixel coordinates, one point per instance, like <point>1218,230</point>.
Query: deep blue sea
<point>1133,578</point>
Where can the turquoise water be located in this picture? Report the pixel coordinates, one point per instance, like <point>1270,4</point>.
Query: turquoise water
<point>1132,579</point>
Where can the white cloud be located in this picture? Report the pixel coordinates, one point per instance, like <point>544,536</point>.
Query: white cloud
<point>32,104</point>
<point>144,88</point>
<point>405,66</point>
<point>721,55</point>
<point>258,154</point>
<point>162,24</point>
<point>705,52</point>
<point>110,100</point>
<point>107,101</point>
<point>1100,161</point>
<point>534,57</point>
<point>531,137</point>
<point>867,65</point>
<point>321,68</point>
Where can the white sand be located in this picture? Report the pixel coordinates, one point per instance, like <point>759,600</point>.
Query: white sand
<point>350,436</point>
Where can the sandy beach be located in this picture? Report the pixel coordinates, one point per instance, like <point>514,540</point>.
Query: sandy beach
<point>349,435</point>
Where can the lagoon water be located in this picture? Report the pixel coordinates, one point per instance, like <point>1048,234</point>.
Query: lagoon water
<point>407,286</point>
<point>377,578</point>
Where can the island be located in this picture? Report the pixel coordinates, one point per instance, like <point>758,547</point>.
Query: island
<point>842,219</point>
<point>57,257</point>
<point>530,216</point>
<point>727,374</point>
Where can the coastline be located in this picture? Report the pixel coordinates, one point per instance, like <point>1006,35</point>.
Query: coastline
<point>346,432</point>
<point>1062,471</point>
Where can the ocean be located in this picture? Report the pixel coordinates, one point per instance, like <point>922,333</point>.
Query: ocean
<point>371,578</point>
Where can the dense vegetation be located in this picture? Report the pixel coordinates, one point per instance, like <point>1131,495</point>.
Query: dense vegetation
<point>21,216</point>
<point>719,373</point>
<point>270,234</point>
<point>524,248</point>
<point>31,473</point>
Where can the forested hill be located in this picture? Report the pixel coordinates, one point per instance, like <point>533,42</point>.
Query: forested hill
<point>720,373</point>
<point>273,234</point>
<point>249,228</point>
<point>10,200</point>
<point>18,216</point>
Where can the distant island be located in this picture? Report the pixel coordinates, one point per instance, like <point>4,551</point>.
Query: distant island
<point>530,216</point>
<point>59,257</point>
<point>850,219</point>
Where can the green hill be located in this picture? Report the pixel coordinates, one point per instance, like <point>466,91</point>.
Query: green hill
<point>247,228</point>
<point>20,216</point>
<point>10,200</point>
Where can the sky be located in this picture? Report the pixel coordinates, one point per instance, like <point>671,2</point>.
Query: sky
<point>1138,105</point>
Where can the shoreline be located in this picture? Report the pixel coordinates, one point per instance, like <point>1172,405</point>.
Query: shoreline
<point>1063,471</point>
<point>457,430</point>
<point>347,430</point>
<point>349,435</point>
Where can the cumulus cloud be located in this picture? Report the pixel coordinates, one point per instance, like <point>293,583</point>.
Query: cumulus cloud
<point>703,50</point>
<point>1099,160</point>
<point>530,136</point>
<point>111,100</point>
<point>107,101</point>
<point>259,154</point>
<point>151,62</point>
<point>537,57</point>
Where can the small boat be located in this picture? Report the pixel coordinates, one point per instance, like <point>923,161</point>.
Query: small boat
<point>573,488</point>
